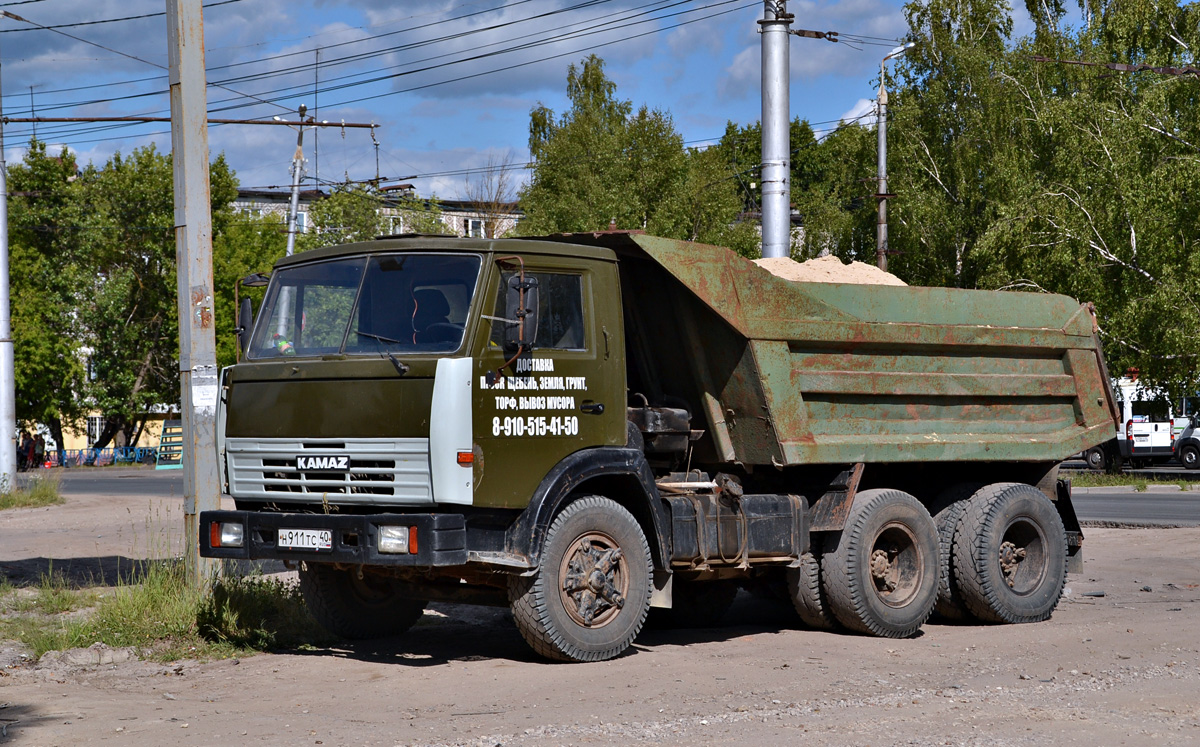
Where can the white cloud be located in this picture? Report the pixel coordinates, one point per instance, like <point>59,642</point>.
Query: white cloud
<point>863,112</point>
<point>743,76</point>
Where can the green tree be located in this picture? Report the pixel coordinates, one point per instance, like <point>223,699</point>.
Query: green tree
<point>956,145</point>
<point>128,305</point>
<point>601,163</point>
<point>45,216</point>
<point>351,213</point>
<point>247,245</point>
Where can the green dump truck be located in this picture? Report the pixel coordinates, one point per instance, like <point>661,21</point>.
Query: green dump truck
<point>586,426</point>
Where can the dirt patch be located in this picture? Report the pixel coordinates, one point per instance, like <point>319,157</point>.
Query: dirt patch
<point>1119,668</point>
<point>828,269</point>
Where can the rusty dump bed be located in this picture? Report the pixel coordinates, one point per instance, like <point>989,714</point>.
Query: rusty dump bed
<point>806,373</point>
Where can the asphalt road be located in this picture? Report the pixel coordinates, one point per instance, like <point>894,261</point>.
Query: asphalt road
<point>136,481</point>
<point>1159,506</point>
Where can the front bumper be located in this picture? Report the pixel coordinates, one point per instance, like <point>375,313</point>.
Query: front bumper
<point>441,538</point>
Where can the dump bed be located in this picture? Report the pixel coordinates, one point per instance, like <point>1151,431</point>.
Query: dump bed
<point>782,372</point>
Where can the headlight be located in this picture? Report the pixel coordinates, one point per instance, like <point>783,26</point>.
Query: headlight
<point>226,534</point>
<point>395,540</point>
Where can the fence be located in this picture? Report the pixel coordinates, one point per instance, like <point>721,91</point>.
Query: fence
<point>101,457</point>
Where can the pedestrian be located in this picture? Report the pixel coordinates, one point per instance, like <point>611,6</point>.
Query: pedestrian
<point>39,451</point>
<point>24,451</point>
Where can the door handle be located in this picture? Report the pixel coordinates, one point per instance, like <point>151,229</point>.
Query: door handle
<point>592,408</point>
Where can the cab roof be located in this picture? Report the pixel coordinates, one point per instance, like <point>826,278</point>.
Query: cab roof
<point>595,246</point>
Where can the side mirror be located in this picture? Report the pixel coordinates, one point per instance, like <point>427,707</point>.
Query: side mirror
<point>257,280</point>
<point>521,306</point>
<point>245,323</point>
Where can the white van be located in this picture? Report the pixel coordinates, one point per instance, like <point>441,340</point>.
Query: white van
<point>1147,431</point>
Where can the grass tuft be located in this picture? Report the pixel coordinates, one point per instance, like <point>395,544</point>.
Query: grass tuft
<point>163,615</point>
<point>257,613</point>
<point>40,491</point>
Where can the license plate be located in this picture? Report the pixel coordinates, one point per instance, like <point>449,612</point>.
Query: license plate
<point>305,539</point>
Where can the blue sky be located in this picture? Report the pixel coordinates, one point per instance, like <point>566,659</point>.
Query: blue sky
<point>449,83</point>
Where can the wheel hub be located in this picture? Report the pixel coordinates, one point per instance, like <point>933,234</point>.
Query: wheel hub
<point>1010,561</point>
<point>895,565</point>
<point>881,568</point>
<point>594,582</point>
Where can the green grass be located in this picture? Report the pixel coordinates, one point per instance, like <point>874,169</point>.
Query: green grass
<point>54,596</point>
<point>1139,482</point>
<point>41,491</point>
<point>164,616</point>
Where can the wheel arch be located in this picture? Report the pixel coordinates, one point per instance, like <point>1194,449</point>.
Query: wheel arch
<point>618,473</point>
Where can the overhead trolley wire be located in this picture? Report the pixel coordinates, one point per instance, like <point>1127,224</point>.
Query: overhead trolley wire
<point>622,21</point>
<point>104,20</point>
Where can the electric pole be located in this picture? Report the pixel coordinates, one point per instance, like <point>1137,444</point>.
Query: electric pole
<point>776,140</point>
<point>193,252</point>
<point>8,370</point>
<point>881,237</point>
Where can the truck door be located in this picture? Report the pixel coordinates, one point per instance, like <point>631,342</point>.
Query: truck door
<point>566,394</point>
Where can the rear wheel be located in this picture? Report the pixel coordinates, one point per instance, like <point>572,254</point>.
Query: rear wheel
<point>804,587</point>
<point>950,506</point>
<point>1010,554</point>
<point>355,607</point>
<point>881,575</point>
<point>589,597</point>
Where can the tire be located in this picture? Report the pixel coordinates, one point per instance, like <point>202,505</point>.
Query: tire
<point>1189,456</point>
<point>1010,554</point>
<point>950,506</point>
<point>696,604</point>
<point>589,597</point>
<point>881,577</point>
<point>1095,458</point>
<point>356,608</point>
<point>804,588</point>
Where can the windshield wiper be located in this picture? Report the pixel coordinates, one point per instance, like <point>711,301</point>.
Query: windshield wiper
<point>401,368</point>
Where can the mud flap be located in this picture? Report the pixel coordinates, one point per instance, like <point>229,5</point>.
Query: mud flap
<point>1066,511</point>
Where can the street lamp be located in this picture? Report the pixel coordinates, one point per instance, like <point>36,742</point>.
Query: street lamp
<point>881,126</point>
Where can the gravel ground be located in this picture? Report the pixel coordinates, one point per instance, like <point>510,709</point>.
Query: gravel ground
<point>1121,668</point>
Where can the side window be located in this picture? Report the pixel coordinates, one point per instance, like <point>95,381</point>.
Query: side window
<point>560,311</point>
<point>1150,411</point>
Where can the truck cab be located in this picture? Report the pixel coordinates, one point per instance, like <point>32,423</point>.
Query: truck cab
<point>398,379</point>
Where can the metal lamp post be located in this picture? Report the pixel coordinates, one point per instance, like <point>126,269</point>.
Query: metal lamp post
<point>882,196</point>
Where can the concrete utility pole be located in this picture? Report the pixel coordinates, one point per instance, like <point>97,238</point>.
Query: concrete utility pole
<point>285,294</point>
<point>8,371</point>
<point>881,240</point>
<point>776,139</point>
<point>193,252</point>
<point>297,175</point>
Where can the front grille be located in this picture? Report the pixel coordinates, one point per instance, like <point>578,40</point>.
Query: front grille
<point>380,470</point>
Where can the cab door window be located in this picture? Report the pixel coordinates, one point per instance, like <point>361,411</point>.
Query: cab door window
<point>560,311</point>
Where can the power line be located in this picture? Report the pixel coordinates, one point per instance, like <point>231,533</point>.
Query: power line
<point>587,32</point>
<point>105,20</point>
<point>16,17</point>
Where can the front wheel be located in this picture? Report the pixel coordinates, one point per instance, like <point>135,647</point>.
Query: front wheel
<point>1189,456</point>
<point>589,597</point>
<point>357,606</point>
<point>1010,554</point>
<point>1095,458</point>
<point>881,575</point>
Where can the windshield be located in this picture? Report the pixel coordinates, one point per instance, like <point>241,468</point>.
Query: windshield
<point>393,303</point>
